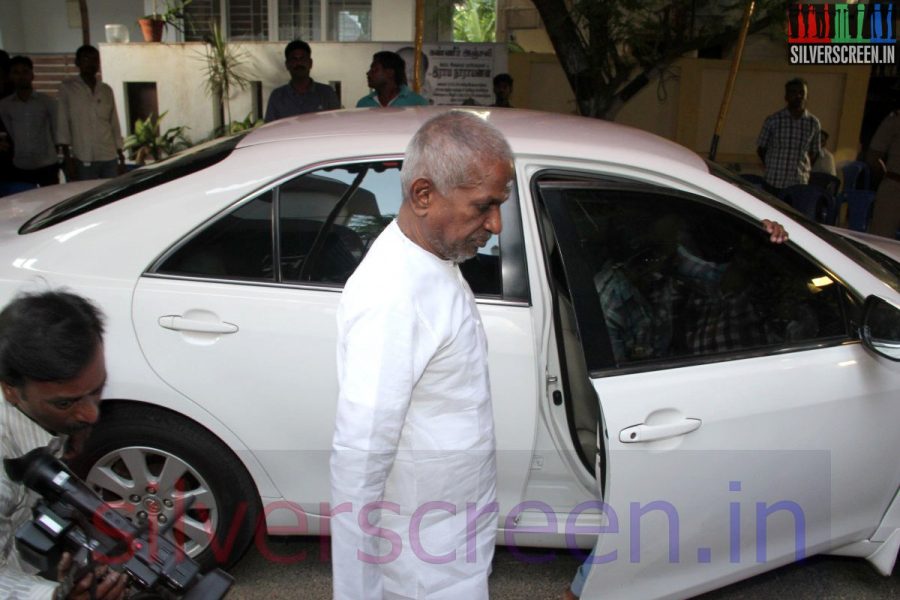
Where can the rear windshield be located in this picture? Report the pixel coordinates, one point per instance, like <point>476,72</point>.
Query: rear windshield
<point>184,163</point>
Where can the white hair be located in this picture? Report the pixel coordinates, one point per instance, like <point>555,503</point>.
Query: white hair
<point>451,150</point>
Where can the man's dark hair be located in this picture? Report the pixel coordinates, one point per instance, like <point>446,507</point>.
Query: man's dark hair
<point>795,81</point>
<point>4,61</point>
<point>21,60</point>
<point>84,50</point>
<point>297,45</point>
<point>50,336</point>
<point>392,60</point>
<point>503,78</point>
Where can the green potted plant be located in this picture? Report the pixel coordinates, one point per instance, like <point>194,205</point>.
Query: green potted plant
<point>147,144</point>
<point>248,123</point>
<point>152,25</point>
<point>224,71</point>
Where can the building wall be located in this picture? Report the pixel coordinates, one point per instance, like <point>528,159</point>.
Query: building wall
<point>178,70</point>
<point>53,26</point>
<point>684,105</point>
<point>393,20</point>
<point>11,38</point>
<point>837,96</point>
<point>46,26</point>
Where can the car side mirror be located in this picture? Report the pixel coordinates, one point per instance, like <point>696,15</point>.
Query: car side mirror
<point>881,328</point>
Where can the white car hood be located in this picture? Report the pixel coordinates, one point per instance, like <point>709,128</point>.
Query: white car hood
<point>18,208</point>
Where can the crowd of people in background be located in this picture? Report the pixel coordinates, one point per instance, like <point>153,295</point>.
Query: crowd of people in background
<point>792,146</point>
<point>78,132</point>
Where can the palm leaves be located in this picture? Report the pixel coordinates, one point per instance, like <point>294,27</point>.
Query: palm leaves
<point>223,69</point>
<point>474,21</point>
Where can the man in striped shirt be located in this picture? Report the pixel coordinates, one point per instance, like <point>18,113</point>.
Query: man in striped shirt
<point>52,373</point>
<point>789,141</point>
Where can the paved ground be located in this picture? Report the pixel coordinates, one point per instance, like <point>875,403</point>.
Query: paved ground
<point>260,577</point>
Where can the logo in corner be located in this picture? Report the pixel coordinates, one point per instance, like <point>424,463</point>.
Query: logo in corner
<point>842,34</point>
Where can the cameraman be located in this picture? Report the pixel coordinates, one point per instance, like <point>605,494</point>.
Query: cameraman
<point>52,373</point>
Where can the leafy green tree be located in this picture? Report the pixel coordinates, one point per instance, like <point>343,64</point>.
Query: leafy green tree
<point>474,21</point>
<point>610,49</point>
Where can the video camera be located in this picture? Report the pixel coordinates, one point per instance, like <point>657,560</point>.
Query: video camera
<point>70,517</point>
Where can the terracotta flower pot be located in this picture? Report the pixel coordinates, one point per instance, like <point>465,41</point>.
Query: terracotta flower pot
<point>152,29</point>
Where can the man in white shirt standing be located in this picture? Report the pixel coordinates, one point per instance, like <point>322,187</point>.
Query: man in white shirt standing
<point>88,125</point>
<point>825,162</point>
<point>413,473</point>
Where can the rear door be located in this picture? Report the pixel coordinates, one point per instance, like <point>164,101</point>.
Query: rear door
<point>744,426</point>
<point>240,318</point>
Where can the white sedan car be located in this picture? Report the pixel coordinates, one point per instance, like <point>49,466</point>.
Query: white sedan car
<point>669,386</point>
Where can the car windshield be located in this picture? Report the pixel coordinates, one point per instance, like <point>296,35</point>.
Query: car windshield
<point>184,163</point>
<point>870,259</point>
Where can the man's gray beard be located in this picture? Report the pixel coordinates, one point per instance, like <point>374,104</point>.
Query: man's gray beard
<point>458,259</point>
<point>454,255</point>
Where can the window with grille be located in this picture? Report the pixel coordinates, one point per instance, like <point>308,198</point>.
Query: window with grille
<point>299,19</point>
<point>350,20</point>
<point>310,20</point>
<point>248,19</point>
<point>199,18</point>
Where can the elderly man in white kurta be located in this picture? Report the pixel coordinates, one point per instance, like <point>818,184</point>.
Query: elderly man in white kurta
<point>412,466</point>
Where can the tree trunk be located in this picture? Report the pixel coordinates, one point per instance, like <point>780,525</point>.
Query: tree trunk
<point>570,49</point>
<point>594,50</point>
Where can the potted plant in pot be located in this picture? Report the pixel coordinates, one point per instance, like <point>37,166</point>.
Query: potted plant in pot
<point>224,72</point>
<point>147,144</point>
<point>152,25</point>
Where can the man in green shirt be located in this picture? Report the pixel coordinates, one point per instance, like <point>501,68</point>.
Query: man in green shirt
<point>387,78</point>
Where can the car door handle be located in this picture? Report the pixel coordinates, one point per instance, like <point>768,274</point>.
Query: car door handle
<point>179,323</point>
<point>648,433</point>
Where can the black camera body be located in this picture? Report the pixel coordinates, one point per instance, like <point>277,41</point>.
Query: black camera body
<point>70,517</point>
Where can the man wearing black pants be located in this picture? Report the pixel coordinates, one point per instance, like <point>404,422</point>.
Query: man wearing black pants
<point>30,119</point>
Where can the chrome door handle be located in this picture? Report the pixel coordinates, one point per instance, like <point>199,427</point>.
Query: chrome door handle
<point>179,323</point>
<point>647,433</point>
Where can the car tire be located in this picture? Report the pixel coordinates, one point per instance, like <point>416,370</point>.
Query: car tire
<point>145,461</point>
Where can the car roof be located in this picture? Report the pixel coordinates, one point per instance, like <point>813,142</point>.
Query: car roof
<point>528,132</point>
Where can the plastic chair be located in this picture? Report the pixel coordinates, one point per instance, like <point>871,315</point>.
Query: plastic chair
<point>754,180</point>
<point>831,185</point>
<point>857,195</point>
<point>812,201</point>
<point>826,181</point>
<point>856,175</point>
<point>859,208</point>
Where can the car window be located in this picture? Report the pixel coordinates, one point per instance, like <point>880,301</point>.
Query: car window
<point>139,180</point>
<point>326,220</point>
<point>237,246</point>
<point>677,278</point>
<point>329,218</point>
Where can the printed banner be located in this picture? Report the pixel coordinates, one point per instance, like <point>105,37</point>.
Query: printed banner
<point>456,73</point>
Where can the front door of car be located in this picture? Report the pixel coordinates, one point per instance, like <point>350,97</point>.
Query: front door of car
<point>240,318</point>
<point>744,425</point>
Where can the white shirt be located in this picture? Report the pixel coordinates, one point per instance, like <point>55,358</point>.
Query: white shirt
<point>88,121</point>
<point>825,163</point>
<point>19,435</point>
<point>414,429</point>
